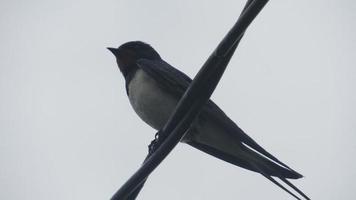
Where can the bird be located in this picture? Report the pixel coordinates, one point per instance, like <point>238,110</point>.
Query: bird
<point>154,88</point>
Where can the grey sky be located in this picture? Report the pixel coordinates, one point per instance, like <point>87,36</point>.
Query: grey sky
<point>68,131</point>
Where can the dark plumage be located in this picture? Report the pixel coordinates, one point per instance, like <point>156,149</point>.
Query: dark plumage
<point>154,88</point>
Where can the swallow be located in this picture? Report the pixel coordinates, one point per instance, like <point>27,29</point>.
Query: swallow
<point>154,88</point>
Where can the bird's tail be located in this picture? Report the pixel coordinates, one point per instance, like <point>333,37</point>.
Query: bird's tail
<point>264,165</point>
<point>270,169</point>
<point>259,163</point>
<point>270,166</point>
<point>217,135</point>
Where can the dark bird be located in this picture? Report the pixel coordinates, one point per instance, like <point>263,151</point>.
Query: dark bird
<point>154,88</point>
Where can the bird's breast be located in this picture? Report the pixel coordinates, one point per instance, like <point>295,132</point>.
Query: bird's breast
<point>150,102</point>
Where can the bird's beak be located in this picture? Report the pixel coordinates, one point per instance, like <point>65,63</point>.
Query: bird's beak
<point>113,50</point>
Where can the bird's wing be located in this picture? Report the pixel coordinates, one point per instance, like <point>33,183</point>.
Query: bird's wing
<point>176,83</point>
<point>168,77</point>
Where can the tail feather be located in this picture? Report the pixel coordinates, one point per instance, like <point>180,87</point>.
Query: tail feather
<point>223,139</point>
<point>229,127</point>
<point>294,187</point>
<point>258,163</point>
<point>267,165</point>
<point>281,186</point>
<point>251,143</point>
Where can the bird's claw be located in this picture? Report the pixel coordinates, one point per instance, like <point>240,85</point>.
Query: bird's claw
<point>155,143</point>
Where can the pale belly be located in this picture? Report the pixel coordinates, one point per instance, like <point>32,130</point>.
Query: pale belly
<point>154,106</point>
<point>149,101</point>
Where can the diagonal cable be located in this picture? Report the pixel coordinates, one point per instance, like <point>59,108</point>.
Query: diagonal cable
<point>192,101</point>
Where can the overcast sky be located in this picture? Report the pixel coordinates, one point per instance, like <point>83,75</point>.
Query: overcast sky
<point>67,130</point>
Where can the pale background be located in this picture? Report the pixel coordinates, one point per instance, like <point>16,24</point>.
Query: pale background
<point>67,130</point>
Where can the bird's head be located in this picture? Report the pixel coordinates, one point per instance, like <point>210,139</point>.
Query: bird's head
<point>128,53</point>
